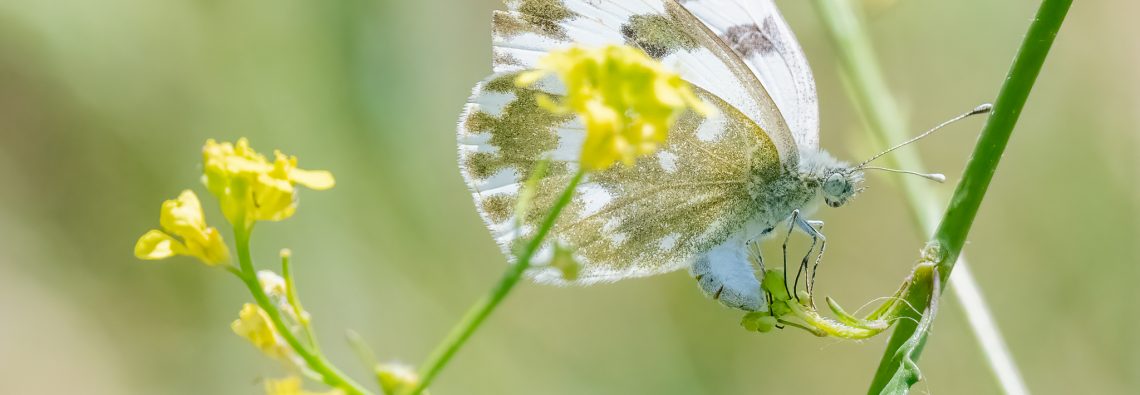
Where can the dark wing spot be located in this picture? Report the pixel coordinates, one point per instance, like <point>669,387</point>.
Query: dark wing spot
<point>543,17</point>
<point>547,15</point>
<point>499,207</point>
<point>769,26</point>
<point>748,40</point>
<point>522,133</point>
<point>551,10</point>
<point>657,35</point>
<point>501,58</point>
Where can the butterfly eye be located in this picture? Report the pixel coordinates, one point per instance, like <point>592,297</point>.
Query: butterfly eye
<point>834,184</point>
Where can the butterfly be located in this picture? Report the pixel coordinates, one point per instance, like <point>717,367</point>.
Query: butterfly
<point>718,184</point>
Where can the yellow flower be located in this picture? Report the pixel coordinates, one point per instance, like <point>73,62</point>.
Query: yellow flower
<point>254,325</point>
<point>182,217</point>
<point>292,386</point>
<point>251,188</point>
<point>626,100</point>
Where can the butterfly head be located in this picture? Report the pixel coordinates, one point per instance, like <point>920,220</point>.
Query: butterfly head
<point>840,185</point>
<point>836,181</point>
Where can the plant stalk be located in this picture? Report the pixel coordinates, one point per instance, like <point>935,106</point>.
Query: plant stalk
<point>329,374</point>
<point>879,109</point>
<point>955,226</point>
<point>483,308</point>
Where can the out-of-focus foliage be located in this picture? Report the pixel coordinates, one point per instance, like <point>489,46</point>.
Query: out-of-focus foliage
<point>104,105</point>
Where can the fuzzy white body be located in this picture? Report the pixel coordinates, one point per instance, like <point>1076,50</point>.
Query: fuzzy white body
<point>726,273</point>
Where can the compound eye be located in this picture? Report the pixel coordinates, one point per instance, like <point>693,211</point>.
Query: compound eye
<point>833,183</point>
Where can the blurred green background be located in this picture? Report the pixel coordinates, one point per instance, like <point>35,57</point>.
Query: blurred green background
<point>104,105</point>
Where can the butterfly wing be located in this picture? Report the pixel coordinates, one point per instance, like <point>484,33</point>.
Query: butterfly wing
<point>756,31</point>
<point>654,217</point>
<point>662,28</point>
<point>666,210</point>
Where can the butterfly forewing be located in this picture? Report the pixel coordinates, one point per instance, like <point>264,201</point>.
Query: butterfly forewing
<point>662,28</point>
<point>653,217</point>
<point>756,31</point>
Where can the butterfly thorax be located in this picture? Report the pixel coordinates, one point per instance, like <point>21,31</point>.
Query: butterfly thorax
<point>800,187</point>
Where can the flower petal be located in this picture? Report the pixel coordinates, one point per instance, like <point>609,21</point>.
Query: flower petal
<point>156,244</point>
<point>211,253</point>
<point>183,216</point>
<point>318,180</point>
<point>275,198</point>
<point>253,324</point>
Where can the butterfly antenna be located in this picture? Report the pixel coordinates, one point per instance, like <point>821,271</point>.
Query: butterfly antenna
<point>982,109</point>
<point>936,177</point>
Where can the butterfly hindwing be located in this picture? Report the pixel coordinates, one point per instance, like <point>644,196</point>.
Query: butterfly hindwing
<point>653,217</point>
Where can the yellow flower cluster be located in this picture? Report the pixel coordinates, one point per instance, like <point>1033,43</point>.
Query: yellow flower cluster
<point>184,233</point>
<point>251,188</point>
<point>627,100</point>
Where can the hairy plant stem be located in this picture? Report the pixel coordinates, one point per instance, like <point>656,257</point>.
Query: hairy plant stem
<point>483,308</point>
<point>328,373</point>
<point>878,108</point>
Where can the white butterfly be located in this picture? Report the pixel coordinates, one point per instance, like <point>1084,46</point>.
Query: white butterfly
<point>717,184</point>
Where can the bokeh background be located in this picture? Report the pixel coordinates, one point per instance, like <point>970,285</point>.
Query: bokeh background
<point>104,105</point>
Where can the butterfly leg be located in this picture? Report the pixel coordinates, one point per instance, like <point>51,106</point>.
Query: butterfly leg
<point>724,273</point>
<point>787,237</point>
<point>817,237</point>
<point>812,228</point>
<point>817,227</point>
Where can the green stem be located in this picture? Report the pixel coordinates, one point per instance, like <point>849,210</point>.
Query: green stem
<point>991,144</point>
<point>483,308</point>
<point>955,226</point>
<point>329,374</point>
<point>295,301</point>
<point>881,112</point>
